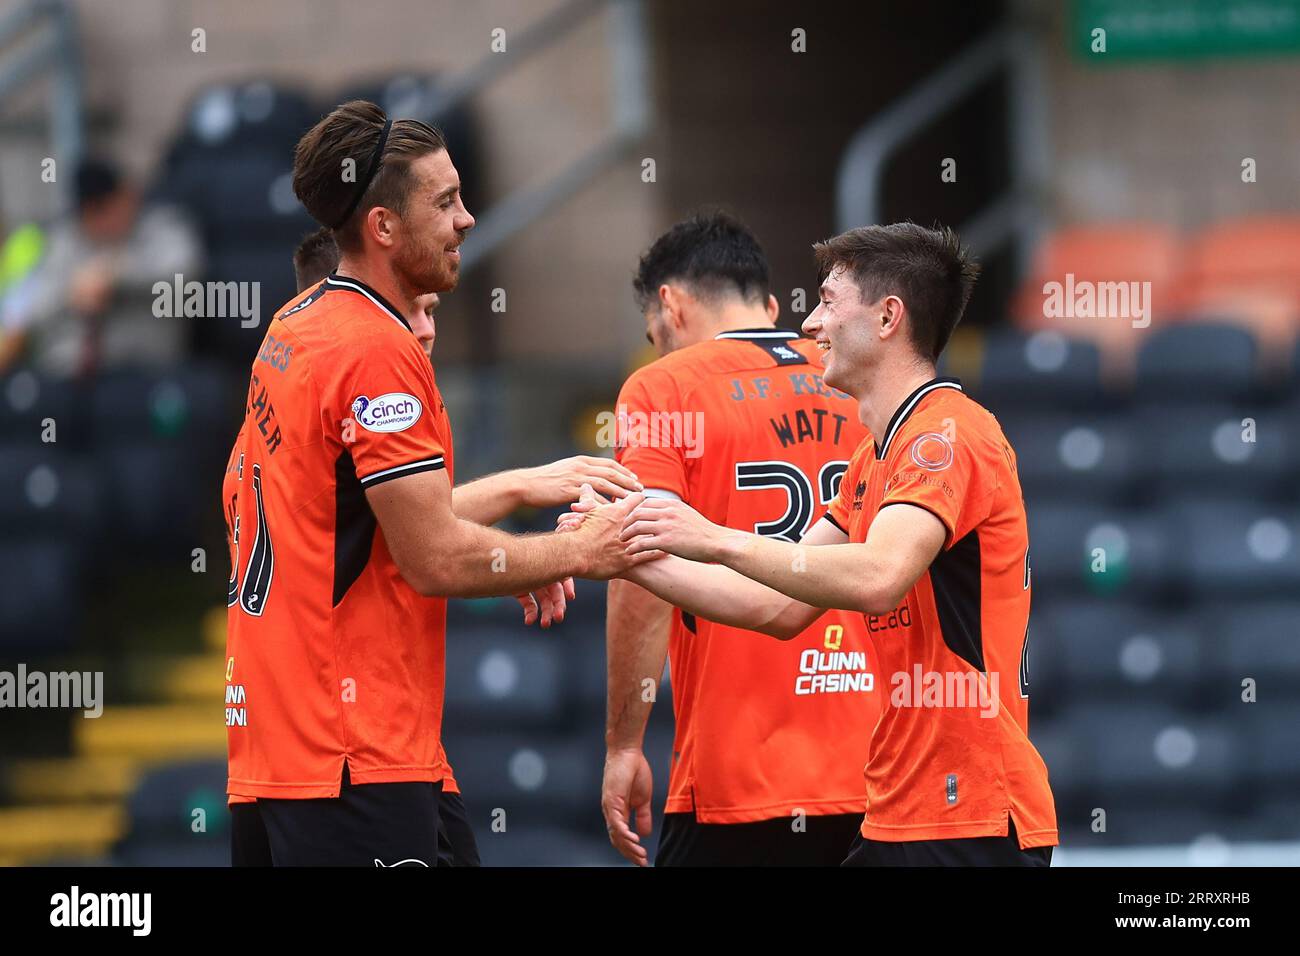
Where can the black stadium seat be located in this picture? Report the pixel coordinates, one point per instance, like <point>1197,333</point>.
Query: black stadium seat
<point>1257,639</point>
<point>177,816</point>
<point>28,400</point>
<point>533,777</point>
<point>1041,369</point>
<point>1082,458</point>
<point>1197,361</point>
<point>255,114</point>
<point>39,606</point>
<point>1194,448</point>
<point>500,677</point>
<point>1096,550</point>
<point>1118,648</point>
<point>1226,547</point>
<point>1148,748</point>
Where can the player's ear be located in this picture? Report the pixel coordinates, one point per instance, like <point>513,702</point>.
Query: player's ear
<point>381,224</point>
<point>773,308</point>
<point>672,303</point>
<point>890,315</point>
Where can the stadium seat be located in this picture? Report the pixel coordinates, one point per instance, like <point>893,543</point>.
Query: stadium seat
<point>1068,758</point>
<point>499,677</point>
<point>48,491</point>
<point>154,507</point>
<point>192,401</point>
<point>166,798</point>
<point>178,817</point>
<point>1200,361</point>
<point>533,777</point>
<point>1039,369</point>
<point>1078,457</point>
<point>1207,447</point>
<point>1225,547</point>
<point>40,604</point>
<point>271,267</point>
<point>1244,271</point>
<point>1095,549</point>
<point>1114,252</point>
<point>253,114</point>
<point>1273,757</point>
<point>1151,749</point>
<point>1111,648</point>
<point>1257,639</point>
<point>28,400</point>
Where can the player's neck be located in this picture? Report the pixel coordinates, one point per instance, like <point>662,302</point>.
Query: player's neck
<point>888,388</point>
<point>737,318</point>
<point>379,275</point>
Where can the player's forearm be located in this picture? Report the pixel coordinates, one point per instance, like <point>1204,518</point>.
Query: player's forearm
<point>489,499</point>
<point>636,636</point>
<point>476,561</point>
<point>841,576</point>
<point>719,594</point>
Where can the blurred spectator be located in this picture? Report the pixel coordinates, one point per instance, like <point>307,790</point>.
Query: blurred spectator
<point>19,256</point>
<point>88,305</point>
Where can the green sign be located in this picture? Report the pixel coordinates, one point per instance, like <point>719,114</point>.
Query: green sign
<point>1104,31</point>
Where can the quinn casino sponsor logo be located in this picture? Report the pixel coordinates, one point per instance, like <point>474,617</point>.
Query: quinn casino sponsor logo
<point>932,451</point>
<point>393,412</point>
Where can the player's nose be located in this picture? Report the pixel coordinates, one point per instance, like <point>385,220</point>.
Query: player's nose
<point>813,324</point>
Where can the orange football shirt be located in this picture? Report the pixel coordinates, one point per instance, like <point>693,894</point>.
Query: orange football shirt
<point>743,429</point>
<point>331,656</point>
<point>951,755</point>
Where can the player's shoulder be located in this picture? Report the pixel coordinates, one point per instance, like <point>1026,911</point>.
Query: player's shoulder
<point>937,417</point>
<point>347,319</point>
<point>735,351</point>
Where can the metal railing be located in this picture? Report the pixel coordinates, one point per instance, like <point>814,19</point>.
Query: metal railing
<point>38,38</point>
<point>1015,215</point>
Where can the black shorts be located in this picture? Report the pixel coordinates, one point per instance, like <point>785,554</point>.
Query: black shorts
<point>821,841</point>
<point>369,824</point>
<point>968,851</point>
<point>456,843</point>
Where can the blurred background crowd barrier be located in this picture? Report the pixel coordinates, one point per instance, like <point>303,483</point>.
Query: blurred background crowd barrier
<point>1147,173</point>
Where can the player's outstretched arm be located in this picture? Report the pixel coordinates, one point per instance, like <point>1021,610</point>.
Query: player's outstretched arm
<point>871,578</point>
<point>636,638</point>
<point>491,498</point>
<point>718,593</point>
<point>438,553</point>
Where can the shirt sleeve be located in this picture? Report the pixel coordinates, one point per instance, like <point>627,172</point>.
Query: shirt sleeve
<point>943,475</point>
<point>655,454</point>
<point>386,403</point>
<point>838,511</point>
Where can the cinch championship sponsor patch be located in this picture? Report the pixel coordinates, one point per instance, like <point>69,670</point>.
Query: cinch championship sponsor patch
<point>392,412</point>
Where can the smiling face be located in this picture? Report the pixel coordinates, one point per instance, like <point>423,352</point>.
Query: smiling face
<point>433,226</point>
<point>843,326</point>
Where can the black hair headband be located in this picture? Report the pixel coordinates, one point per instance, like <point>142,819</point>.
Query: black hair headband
<point>375,157</point>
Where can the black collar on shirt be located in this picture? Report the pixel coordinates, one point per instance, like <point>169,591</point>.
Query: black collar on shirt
<point>759,334</point>
<point>336,281</point>
<point>909,405</point>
